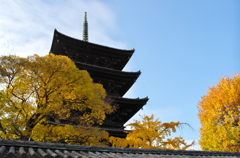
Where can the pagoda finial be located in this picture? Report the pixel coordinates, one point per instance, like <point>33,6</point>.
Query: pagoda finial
<point>85,28</point>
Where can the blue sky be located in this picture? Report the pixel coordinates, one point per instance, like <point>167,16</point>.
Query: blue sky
<point>181,47</point>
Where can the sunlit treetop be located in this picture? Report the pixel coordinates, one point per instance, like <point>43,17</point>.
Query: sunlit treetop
<point>219,112</point>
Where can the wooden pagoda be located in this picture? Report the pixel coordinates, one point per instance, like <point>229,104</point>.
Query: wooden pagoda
<point>104,65</point>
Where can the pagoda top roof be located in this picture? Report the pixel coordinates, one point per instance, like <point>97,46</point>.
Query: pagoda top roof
<point>83,46</point>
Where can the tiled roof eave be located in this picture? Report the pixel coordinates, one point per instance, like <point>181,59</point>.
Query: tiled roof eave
<point>131,100</point>
<point>71,147</point>
<point>108,71</point>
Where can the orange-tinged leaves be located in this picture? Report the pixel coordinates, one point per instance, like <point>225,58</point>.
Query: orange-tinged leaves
<point>219,112</point>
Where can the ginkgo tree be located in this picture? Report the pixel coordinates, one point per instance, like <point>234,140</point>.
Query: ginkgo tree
<point>219,114</point>
<point>151,133</point>
<point>49,99</point>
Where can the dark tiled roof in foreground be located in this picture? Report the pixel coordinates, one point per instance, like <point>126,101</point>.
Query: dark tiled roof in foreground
<point>25,149</point>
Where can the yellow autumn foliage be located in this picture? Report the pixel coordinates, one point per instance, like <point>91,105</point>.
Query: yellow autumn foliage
<point>219,112</point>
<point>70,134</point>
<point>151,133</point>
<point>38,91</point>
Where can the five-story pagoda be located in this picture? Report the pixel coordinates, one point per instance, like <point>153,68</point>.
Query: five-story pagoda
<point>104,65</point>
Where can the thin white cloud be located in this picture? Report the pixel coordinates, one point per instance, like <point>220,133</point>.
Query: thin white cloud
<point>26,27</point>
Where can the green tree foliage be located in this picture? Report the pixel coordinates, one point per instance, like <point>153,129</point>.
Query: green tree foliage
<point>39,91</point>
<point>151,133</point>
<point>219,112</point>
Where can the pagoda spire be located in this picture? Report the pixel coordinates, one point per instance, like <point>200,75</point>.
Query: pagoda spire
<point>85,28</point>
